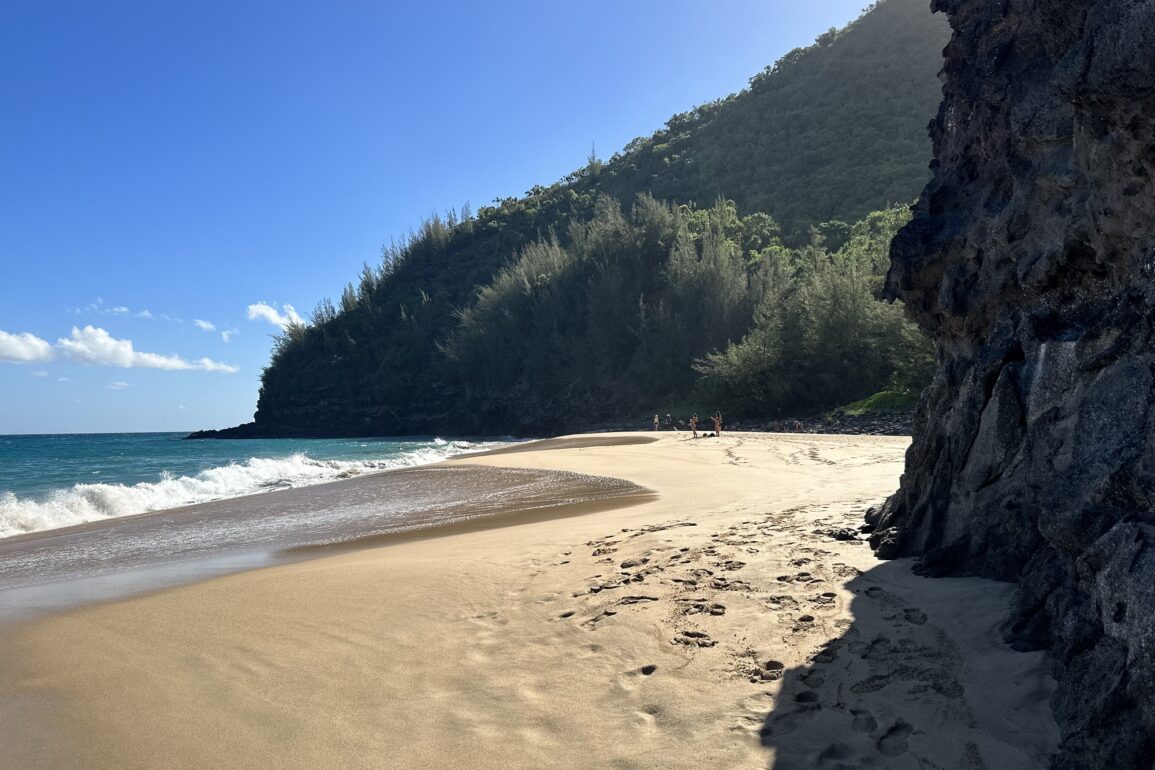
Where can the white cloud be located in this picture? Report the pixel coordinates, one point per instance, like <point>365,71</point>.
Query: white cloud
<point>287,316</point>
<point>118,385</point>
<point>64,379</point>
<point>40,373</point>
<point>216,366</point>
<point>228,334</point>
<point>207,326</point>
<point>99,308</point>
<point>92,345</point>
<point>181,407</point>
<point>24,348</point>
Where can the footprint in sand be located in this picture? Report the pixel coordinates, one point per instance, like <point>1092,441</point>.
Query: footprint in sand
<point>834,757</point>
<point>863,721</point>
<point>768,671</point>
<point>747,723</point>
<point>649,716</point>
<point>702,606</point>
<point>813,679</point>
<point>787,722</point>
<point>637,599</point>
<point>930,678</point>
<point>845,570</point>
<point>893,743</point>
<point>803,623</point>
<point>693,639</point>
<point>661,527</point>
<point>914,615</point>
<point>606,586</point>
<point>593,622</point>
<point>721,583</point>
<point>877,594</point>
<point>827,654</point>
<point>630,680</point>
<point>633,680</point>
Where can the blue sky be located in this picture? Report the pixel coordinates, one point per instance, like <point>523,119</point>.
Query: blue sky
<point>179,176</point>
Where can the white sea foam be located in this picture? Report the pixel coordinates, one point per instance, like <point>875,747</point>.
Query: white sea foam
<point>92,502</point>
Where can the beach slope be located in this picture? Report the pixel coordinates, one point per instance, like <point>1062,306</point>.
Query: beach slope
<point>731,619</point>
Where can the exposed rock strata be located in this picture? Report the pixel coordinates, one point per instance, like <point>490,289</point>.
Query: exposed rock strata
<point>1031,260</point>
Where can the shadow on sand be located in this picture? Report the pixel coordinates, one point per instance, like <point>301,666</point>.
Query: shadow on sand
<point>920,679</point>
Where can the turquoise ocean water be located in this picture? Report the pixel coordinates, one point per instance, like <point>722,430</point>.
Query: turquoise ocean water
<point>51,481</point>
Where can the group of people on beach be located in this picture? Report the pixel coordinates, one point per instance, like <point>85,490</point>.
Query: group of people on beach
<point>693,423</point>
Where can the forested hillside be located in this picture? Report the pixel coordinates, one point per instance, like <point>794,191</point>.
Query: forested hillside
<point>711,260</point>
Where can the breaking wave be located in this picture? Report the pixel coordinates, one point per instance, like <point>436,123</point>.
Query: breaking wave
<point>92,502</point>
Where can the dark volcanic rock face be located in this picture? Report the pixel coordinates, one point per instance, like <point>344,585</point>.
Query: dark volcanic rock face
<point>1031,261</point>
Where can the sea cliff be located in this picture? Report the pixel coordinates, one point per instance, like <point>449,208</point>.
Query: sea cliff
<point>1031,261</point>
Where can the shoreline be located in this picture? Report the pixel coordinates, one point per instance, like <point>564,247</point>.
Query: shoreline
<point>104,477</point>
<point>717,624</point>
<point>56,570</point>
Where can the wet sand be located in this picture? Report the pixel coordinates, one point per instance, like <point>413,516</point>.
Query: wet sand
<point>717,624</point>
<point>62,568</point>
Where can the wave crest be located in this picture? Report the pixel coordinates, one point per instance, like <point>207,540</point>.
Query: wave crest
<point>83,503</point>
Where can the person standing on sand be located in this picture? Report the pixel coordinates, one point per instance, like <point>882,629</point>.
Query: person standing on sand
<point>656,422</point>
<point>694,423</point>
<point>669,421</point>
<point>718,424</point>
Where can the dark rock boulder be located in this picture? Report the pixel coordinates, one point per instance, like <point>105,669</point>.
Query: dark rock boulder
<point>1031,261</point>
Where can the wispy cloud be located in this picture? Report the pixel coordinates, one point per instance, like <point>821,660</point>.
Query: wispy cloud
<point>228,334</point>
<point>93,345</point>
<point>40,373</point>
<point>24,348</point>
<point>99,308</point>
<point>285,317</point>
<point>119,385</point>
<point>207,326</point>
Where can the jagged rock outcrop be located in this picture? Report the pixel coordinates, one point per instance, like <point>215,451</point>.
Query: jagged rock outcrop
<point>1031,261</point>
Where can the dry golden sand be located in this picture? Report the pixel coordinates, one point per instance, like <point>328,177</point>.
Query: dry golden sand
<point>709,627</point>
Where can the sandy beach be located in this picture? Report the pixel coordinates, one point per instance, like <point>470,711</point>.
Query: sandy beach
<point>722,621</point>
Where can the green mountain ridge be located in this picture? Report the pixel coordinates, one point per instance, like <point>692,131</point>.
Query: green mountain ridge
<point>684,266</point>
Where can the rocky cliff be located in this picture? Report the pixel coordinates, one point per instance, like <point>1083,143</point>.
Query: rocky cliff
<point>1031,261</point>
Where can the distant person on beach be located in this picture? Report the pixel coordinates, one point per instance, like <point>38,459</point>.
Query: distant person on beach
<point>656,422</point>
<point>718,424</point>
<point>694,423</point>
<point>669,421</point>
